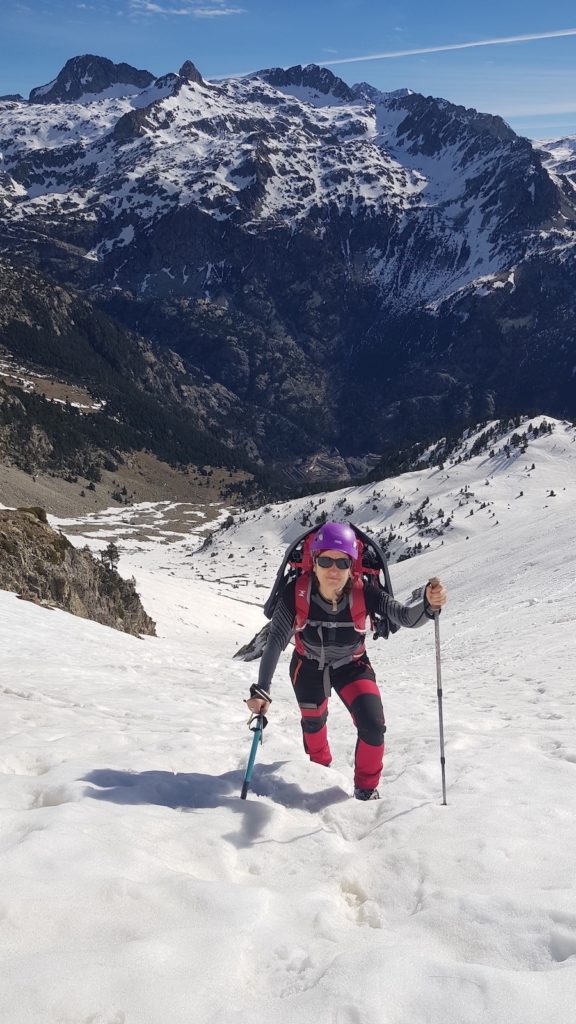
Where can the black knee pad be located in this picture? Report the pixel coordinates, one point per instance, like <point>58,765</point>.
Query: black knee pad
<point>369,716</point>
<point>314,724</point>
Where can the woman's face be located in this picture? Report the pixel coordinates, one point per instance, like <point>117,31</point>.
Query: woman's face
<point>331,578</point>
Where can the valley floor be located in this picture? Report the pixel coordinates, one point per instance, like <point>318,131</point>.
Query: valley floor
<point>144,476</point>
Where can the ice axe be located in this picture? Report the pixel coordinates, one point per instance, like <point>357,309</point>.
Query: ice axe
<point>256,724</point>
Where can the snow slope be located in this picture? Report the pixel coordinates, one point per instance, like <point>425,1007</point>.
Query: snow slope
<point>138,888</point>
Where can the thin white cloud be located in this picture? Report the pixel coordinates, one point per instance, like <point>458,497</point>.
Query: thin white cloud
<point>455,46</point>
<point>185,8</point>
<point>207,12</point>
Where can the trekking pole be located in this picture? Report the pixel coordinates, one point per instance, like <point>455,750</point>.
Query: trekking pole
<point>257,728</point>
<point>439,692</point>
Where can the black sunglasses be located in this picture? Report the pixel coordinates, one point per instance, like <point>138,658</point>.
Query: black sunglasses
<point>325,562</point>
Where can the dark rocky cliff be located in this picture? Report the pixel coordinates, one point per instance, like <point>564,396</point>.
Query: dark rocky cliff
<point>42,566</point>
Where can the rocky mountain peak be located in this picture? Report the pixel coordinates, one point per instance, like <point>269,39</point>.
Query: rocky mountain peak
<point>88,75</point>
<point>310,77</point>
<point>365,91</point>
<point>434,119</point>
<point>190,73</point>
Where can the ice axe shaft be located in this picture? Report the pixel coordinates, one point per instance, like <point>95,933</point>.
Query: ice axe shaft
<point>256,728</point>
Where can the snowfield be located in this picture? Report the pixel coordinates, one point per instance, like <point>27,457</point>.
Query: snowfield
<point>139,889</point>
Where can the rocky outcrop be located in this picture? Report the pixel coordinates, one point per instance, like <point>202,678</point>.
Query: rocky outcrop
<point>41,565</point>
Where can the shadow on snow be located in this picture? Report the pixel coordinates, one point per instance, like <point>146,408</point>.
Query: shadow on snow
<point>191,791</point>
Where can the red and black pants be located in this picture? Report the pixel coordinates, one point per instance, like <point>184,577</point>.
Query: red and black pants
<point>355,684</point>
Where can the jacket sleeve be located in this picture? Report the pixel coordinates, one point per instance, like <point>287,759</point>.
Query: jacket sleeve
<point>281,628</point>
<point>414,613</point>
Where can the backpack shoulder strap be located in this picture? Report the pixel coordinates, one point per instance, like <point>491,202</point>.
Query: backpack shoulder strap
<point>302,592</point>
<point>358,605</point>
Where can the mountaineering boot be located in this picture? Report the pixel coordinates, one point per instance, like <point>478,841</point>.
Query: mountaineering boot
<point>366,794</point>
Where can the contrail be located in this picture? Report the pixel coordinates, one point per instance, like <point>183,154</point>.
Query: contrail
<point>451,46</point>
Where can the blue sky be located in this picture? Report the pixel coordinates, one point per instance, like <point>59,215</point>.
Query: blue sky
<point>530,82</point>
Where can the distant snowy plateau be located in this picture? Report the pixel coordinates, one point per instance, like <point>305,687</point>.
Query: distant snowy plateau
<point>137,888</point>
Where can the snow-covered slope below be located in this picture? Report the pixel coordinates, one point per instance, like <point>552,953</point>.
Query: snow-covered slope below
<point>465,493</point>
<point>138,887</point>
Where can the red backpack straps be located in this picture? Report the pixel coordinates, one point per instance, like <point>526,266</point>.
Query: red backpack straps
<point>358,605</point>
<point>302,592</point>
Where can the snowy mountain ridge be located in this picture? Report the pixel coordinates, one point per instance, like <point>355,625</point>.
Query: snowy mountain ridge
<point>284,148</point>
<point>494,476</point>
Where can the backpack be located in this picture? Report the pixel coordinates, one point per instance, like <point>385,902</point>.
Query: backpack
<point>369,569</point>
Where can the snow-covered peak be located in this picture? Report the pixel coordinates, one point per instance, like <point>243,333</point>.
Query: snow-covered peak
<point>363,90</point>
<point>83,78</point>
<point>310,84</point>
<point>563,146</point>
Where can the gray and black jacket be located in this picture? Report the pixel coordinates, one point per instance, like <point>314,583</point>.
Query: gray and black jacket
<point>329,636</point>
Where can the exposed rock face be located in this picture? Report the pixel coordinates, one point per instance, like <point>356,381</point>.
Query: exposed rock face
<point>41,565</point>
<point>56,327</point>
<point>88,75</point>
<point>28,448</point>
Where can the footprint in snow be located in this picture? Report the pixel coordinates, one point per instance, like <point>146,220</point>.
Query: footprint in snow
<point>365,910</point>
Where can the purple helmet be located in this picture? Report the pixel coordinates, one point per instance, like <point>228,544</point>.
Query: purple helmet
<point>335,537</point>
